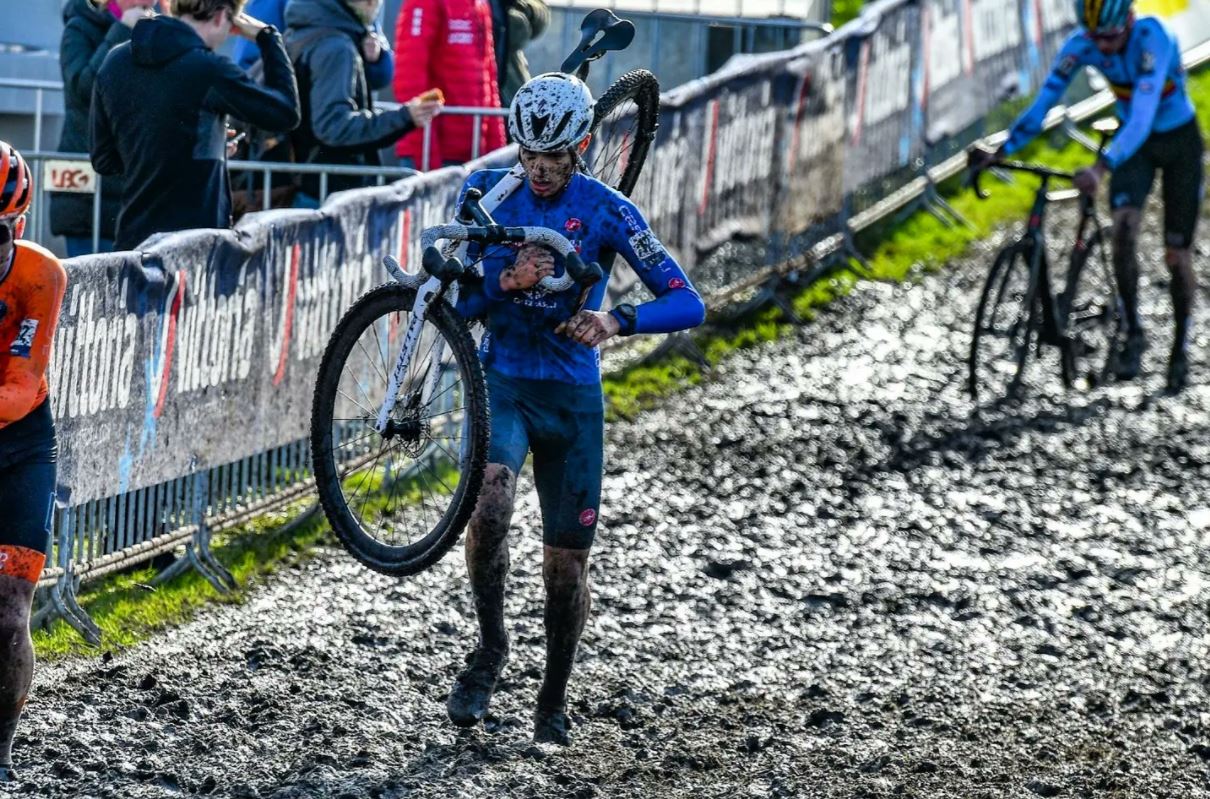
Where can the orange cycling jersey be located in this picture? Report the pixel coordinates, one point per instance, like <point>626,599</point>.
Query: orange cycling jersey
<point>30,297</point>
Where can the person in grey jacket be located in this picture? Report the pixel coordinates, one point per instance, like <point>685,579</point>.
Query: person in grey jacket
<point>339,122</point>
<point>515,23</point>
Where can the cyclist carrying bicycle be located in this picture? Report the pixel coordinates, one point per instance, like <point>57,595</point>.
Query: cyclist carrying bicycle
<point>32,284</point>
<point>1142,62</point>
<point>544,381</point>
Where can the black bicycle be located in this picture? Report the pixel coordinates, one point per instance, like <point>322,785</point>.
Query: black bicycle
<point>1018,310</point>
<point>399,419</point>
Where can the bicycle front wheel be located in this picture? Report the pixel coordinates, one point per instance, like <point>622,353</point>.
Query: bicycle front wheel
<point>1004,325</point>
<point>398,500</point>
<point>624,125</point>
<point>1093,321</point>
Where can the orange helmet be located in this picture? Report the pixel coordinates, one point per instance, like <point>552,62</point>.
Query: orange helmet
<point>16,182</point>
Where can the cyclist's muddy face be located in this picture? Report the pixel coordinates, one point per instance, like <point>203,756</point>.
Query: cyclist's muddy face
<point>548,173</point>
<point>1111,42</point>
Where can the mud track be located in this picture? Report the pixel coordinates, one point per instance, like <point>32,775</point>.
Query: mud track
<point>819,575</point>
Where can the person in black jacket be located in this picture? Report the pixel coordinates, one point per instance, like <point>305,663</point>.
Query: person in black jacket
<point>340,124</point>
<point>90,31</point>
<point>159,115</point>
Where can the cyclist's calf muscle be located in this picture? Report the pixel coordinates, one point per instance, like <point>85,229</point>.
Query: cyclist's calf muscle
<point>487,552</point>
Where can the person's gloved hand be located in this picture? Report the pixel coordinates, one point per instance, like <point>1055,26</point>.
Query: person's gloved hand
<point>982,158</point>
<point>590,327</point>
<point>534,262</point>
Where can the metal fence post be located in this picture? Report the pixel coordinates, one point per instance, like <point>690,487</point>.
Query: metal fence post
<point>63,593</point>
<point>96,215</point>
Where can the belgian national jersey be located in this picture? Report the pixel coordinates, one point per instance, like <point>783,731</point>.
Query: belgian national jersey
<point>1147,79</point>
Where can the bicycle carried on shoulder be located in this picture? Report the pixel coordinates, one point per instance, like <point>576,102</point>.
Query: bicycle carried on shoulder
<point>1018,311</point>
<point>399,419</point>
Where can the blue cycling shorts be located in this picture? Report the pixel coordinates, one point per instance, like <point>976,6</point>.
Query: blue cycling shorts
<point>563,425</point>
<point>28,455</point>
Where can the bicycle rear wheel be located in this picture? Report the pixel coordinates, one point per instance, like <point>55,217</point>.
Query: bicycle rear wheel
<point>624,125</point>
<point>1092,309</point>
<point>1004,327</point>
<point>399,500</point>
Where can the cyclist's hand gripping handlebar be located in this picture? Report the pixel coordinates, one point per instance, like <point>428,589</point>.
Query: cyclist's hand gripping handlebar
<point>978,160</point>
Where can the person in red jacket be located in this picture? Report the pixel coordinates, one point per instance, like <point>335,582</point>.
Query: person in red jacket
<point>448,45</point>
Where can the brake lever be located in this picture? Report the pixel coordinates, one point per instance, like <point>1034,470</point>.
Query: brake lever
<point>587,275</point>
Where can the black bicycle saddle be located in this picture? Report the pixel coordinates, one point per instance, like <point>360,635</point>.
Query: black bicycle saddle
<point>600,32</point>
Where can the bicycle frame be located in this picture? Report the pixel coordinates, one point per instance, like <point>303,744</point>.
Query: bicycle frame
<point>437,288</point>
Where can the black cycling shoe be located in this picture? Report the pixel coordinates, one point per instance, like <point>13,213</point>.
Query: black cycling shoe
<point>1130,356</point>
<point>552,727</point>
<point>1178,370</point>
<point>473,688</point>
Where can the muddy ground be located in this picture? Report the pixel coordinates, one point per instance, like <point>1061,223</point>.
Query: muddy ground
<point>820,574</point>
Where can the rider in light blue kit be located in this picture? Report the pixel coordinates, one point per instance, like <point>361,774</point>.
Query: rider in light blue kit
<point>544,380</point>
<point>1141,59</point>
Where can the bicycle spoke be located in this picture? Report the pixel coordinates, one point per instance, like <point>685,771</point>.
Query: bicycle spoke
<point>355,402</point>
<point>381,355</point>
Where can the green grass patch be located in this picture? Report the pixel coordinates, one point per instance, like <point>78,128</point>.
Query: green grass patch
<point>128,608</point>
<point>845,10</point>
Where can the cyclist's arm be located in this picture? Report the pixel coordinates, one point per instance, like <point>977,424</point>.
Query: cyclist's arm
<point>22,375</point>
<point>1144,102</point>
<point>272,106</point>
<point>677,305</point>
<point>1029,124</point>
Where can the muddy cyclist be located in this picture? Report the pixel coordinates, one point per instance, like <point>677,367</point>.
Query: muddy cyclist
<point>32,284</point>
<point>1142,62</point>
<point>544,382</point>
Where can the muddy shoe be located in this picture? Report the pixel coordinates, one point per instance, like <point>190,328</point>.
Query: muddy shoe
<point>1178,370</point>
<point>552,727</point>
<point>1130,356</point>
<point>473,688</point>
<point>7,774</point>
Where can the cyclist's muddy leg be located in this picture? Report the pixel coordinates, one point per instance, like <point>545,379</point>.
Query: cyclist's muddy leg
<point>568,601</point>
<point>1126,262</point>
<point>1183,288</point>
<point>487,553</point>
<point>16,658</point>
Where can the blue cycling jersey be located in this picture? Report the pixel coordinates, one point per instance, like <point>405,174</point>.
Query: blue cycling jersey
<point>1146,77</point>
<point>521,341</point>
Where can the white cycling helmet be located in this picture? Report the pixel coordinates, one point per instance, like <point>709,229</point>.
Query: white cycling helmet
<point>550,113</point>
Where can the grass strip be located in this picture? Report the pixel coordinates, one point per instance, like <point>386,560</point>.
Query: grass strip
<point>128,609</point>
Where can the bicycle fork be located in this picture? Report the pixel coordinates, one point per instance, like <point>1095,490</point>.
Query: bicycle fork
<point>430,291</point>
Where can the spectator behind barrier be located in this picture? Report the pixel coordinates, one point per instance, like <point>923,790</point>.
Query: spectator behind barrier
<point>515,23</point>
<point>340,124</point>
<point>91,28</point>
<point>160,115</point>
<point>447,44</point>
<point>375,49</point>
